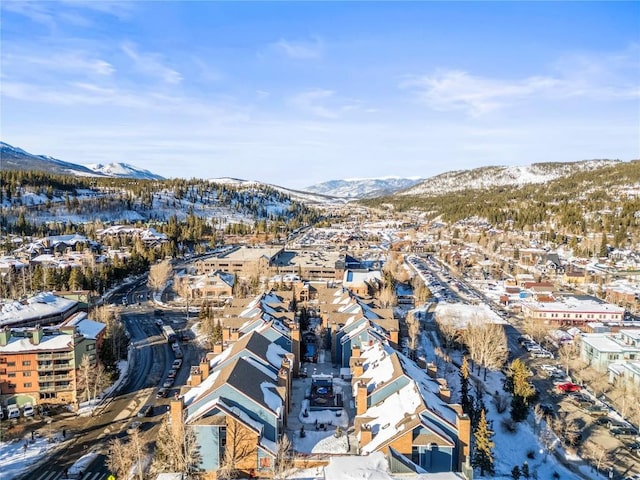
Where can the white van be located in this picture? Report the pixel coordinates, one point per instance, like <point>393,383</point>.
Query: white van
<point>13,411</point>
<point>27,410</point>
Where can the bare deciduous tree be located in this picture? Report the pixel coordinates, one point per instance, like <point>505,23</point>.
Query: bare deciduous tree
<point>176,452</point>
<point>387,297</point>
<point>283,461</point>
<point>567,353</point>
<point>487,345</point>
<point>91,378</point>
<point>449,329</point>
<point>536,329</point>
<point>413,330</point>
<point>159,275</point>
<point>183,288</point>
<point>120,458</point>
<point>240,450</point>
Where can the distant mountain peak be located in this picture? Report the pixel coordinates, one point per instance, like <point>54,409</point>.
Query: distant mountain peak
<point>14,158</point>
<point>502,176</point>
<point>363,187</point>
<point>119,169</point>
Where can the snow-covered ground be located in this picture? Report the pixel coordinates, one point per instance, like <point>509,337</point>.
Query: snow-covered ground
<point>511,449</point>
<point>15,458</point>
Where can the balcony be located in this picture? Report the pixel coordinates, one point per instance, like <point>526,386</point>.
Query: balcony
<point>55,356</point>
<point>51,366</point>
<point>55,378</point>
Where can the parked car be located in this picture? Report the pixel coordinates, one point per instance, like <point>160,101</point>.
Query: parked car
<point>624,431</point>
<point>172,373</point>
<point>159,322</point>
<point>162,392</point>
<point>168,383</point>
<point>569,387</point>
<point>177,363</point>
<point>146,411</point>
<point>133,426</point>
<point>27,410</point>
<point>596,410</point>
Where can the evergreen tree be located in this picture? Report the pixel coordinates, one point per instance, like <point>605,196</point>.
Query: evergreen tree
<point>604,251</point>
<point>517,382</point>
<point>515,473</point>
<point>465,400</point>
<point>483,452</point>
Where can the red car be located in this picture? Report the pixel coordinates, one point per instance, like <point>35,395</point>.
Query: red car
<point>569,387</point>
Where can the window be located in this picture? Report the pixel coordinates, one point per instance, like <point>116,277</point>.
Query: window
<point>265,462</point>
<point>11,364</point>
<point>27,385</point>
<point>26,374</point>
<point>11,374</point>
<point>91,346</point>
<point>26,363</point>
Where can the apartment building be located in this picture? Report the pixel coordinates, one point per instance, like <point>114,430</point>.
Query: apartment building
<point>572,311</point>
<point>39,365</point>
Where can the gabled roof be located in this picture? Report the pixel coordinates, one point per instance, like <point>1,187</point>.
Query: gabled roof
<point>247,376</point>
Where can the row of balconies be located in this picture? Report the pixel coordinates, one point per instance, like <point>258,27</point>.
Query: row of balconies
<point>55,356</point>
<point>55,388</point>
<point>55,378</point>
<point>49,366</point>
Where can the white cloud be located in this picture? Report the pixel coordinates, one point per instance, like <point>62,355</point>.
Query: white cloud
<point>459,90</point>
<point>603,77</point>
<point>312,101</point>
<point>300,50</point>
<point>61,62</point>
<point>151,64</point>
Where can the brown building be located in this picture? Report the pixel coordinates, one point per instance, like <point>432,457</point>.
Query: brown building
<point>39,365</point>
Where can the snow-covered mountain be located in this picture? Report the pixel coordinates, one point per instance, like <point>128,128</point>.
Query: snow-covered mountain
<point>363,187</point>
<point>123,170</point>
<point>14,158</point>
<point>298,195</point>
<point>499,176</point>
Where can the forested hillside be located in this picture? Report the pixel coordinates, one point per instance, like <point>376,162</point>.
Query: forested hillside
<point>37,202</point>
<point>605,200</point>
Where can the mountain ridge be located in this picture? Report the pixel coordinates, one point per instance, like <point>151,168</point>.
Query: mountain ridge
<point>16,158</point>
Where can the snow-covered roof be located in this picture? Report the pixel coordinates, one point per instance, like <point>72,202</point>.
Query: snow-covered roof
<point>47,342</point>
<point>42,305</point>
<point>603,342</point>
<point>387,417</point>
<point>271,398</point>
<point>358,467</point>
<point>574,305</point>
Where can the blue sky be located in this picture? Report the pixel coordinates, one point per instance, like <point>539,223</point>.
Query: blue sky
<point>298,93</point>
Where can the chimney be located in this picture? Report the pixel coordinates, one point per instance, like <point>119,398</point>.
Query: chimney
<point>235,335</point>
<point>217,348</point>
<point>366,435</point>
<point>361,398</point>
<point>393,338</point>
<point>443,390</point>
<point>355,351</point>
<point>463,425</point>
<point>226,334</point>
<point>36,335</point>
<point>195,378</point>
<point>295,349</point>
<point>5,335</point>
<point>204,368</point>
<point>176,415</point>
<point>357,369</point>
<point>432,370</point>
